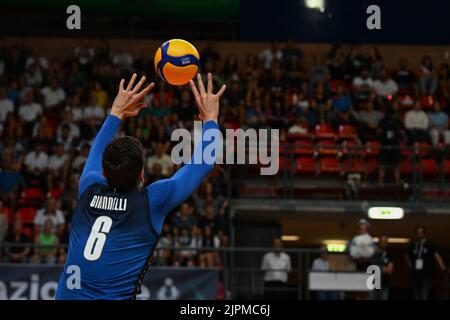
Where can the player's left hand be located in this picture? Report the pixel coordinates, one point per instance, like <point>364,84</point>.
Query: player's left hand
<point>128,100</point>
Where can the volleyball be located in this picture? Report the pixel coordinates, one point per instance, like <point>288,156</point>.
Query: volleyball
<point>177,61</point>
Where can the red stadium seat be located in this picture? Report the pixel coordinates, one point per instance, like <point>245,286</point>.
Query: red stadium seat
<point>372,166</point>
<point>446,167</point>
<point>298,136</point>
<point>324,131</point>
<point>304,147</point>
<point>353,147</point>
<point>26,215</point>
<point>31,197</point>
<point>347,132</point>
<point>430,167</point>
<point>9,214</point>
<point>329,165</point>
<point>427,102</point>
<point>372,148</point>
<point>305,165</point>
<point>407,167</point>
<point>356,165</point>
<point>284,163</point>
<point>327,147</point>
<point>55,193</point>
<point>422,149</point>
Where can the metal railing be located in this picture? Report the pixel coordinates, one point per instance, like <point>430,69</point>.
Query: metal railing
<point>242,275</point>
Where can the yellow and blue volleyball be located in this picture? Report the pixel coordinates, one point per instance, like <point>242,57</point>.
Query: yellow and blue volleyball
<point>177,61</point>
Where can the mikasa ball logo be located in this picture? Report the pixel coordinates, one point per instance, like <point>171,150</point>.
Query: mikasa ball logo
<point>185,60</point>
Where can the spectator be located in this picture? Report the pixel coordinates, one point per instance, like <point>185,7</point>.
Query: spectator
<point>74,129</point>
<point>421,259</point>
<point>369,120</point>
<point>384,261</point>
<point>184,218</point>
<point>438,121</point>
<point>36,163</point>
<point>17,249</point>
<point>363,85</point>
<point>362,246</point>
<point>160,158</point>
<point>50,212</point>
<point>269,55</point>
<point>321,264</point>
<point>416,124</point>
<point>385,86</point>
<point>276,265</point>
<point>290,51</point>
<point>123,60</point>
<point>6,105</point>
<point>30,111</point>
<point>46,244</point>
<point>428,80</point>
<point>94,111</point>
<point>343,108</point>
<point>403,76</point>
<point>389,132</point>
<point>57,167</point>
<point>53,95</point>
<point>208,256</point>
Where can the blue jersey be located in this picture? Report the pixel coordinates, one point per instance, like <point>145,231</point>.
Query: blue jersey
<point>113,234</point>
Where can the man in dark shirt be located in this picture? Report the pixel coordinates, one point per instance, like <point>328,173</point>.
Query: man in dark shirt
<point>421,258</point>
<point>382,259</point>
<point>17,251</point>
<point>389,132</point>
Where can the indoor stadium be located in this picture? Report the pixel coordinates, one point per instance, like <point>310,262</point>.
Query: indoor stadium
<point>330,136</point>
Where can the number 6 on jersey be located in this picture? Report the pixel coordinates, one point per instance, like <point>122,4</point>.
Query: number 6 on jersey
<point>97,238</point>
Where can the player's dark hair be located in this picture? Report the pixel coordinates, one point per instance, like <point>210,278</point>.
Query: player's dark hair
<point>122,163</point>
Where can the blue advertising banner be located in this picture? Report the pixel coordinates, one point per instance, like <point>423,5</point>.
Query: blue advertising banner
<point>39,282</point>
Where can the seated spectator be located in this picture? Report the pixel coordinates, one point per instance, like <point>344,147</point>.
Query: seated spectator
<point>101,95</point>
<point>65,138</point>
<point>362,246</point>
<point>403,76</point>
<point>209,258</point>
<point>123,59</point>
<point>438,121</point>
<point>94,110</point>
<point>267,56</point>
<point>6,105</point>
<point>416,123</point>
<point>53,95</point>
<point>319,73</point>
<point>81,158</point>
<point>253,114</point>
<point>184,240</point>
<point>208,218</point>
<point>343,108</point>
<point>36,162</point>
<point>300,126</point>
<point>369,120</point>
<point>428,80</point>
<point>57,167</point>
<point>74,129</point>
<point>205,194</point>
<point>161,158</point>
<point>362,85</point>
<point>17,249</point>
<point>29,111</point>
<point>389,132</point>
<point>385,86</point>
<point>184,218</point>
<point>52,212</point>
<point>46,243</point>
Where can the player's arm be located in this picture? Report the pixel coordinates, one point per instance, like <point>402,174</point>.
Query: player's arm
<point>166,194</point>
<point>126,104</point>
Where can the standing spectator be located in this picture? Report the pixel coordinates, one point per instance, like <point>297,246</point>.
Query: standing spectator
<point>321,264</point>
<point>50,212</point>
<point>421,258</point>
<point>389,132</point>
<point>428,80</point>
<point>385,86</point>
<point>384,261</point>
<point>438,121</point>
<point>47,243</point>
<point>276,265</point>
<point>416,123</point>
<point>269,55</point>
<point>17,249</point>
<point>362,246</point>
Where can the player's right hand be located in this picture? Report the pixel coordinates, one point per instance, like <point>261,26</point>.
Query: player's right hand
<point>128,100</point>
<point>207,102</point>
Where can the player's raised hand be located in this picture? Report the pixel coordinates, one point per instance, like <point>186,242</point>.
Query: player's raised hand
<point>128,100</point>
<point>207,101</point>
